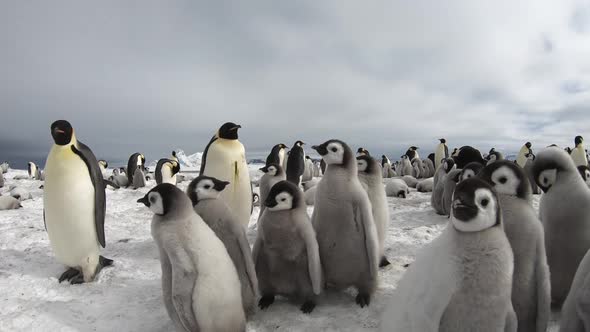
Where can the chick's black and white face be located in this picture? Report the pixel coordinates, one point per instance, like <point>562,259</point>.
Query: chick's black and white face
<point>205,189</point>
<point>282,201</point>
<point>474,211</point>
<point>156,203</point>
<point>335,154</point>
<point>505,181</point>
<point>362,165</point>
<point>467,174</point>
<point>272,170</point>
<point>547,179</point>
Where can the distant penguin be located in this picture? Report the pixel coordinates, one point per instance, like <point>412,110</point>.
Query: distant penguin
<point>317,171</point>
<point>429,165</point>
<point>454,153</point>
<point>410,180</point>
<point>450,181</point>
<point>579,153</point>
<point>4,167</point>
<point>387,172</point>
<point>136,159</point>
<point>362,152</point>
<point>1,179</point>
<point>461,281</point>
<point>74,205</point>
<point>426,185</point>
<point>531,294</point>
<point>441,152</point>
<point>343,220</point>
<point>174,156</point>
<point>564,210</point>
<point>412,153</point>
<point>370,176</point>
<point>396,188</point>
<point>308,170</point>
<point>466,155</point>
<point>296,163</point>
<point>120,180</point>
<point>583,170</point>
<point>494,156</point>
<point>9,203</point>
<point>200,284</point>
<point>32,167</point>
<point>204,193</point>
<point>225,159</point>
<point>116,172</point>
<point>276,155</point>
<point>103,165</point>
<point>286,253</point>
<point>138,178</point>
<point>417,168</point>
<point>166,170</point>
<point>568,150</point>
<point>470,170</point>
<point>405,166</point>
<point>575,313</point>
<point>309,196</point>
<point>273,173</point>
<point>436,200</point>
<point>521,157</point>
<point>528,170</point>
<point>20,193</point>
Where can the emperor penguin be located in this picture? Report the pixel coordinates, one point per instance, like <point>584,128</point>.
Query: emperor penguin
<point>1,179</point>
<point>9,203</point>
<point>273,173</point>
<point>32,168</point>
<point>396,188</point>
<point>436,200</point>
<point>286,253</point>
<point>583,170</point>
<point>412,153</point>
<point>296,163</point>
<point>579,153</point>
<point>166,171</point>
<point>429,165</point>
<point>387,171</point>
<point>362,152</point>
<point>470,170</point>
<point>426,185</point>
<point>369,174</point>
<point>276,155</point>
<point>74,205</point>
<point>494,156</point>
<point>449,183</point>
<point>317,171</point>
<point>174,156</point>
<point>200,284</point>
<point>521,158</point>
<point>225,159</point>
<point>531,293</point>
<point>528,170</point>
<point>120,180</point>
<point>455,152</point>
<point>462,280</point>
<point>564,210</point>
<point>308,170</point>
<point>343,220</point>
<point>575,313</point>
<point>405,166</point>
<point>417,168</point>
<point>136,159</point>
<point>138,178</point>
<point>4,167</point>
<point>441,152</point>
<point>468,154</point>
<point>204,193</point>
<point>103,165</point>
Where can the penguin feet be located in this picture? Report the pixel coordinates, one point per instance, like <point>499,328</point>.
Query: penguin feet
<point>308,307</point>
<point>384,262</point>
<point>70,274</point>
<point>266,301</point>
<point>363,300</point>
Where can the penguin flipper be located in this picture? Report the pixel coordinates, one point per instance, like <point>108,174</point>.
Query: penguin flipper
<point>248,261</point>
<point>184,277</point>
<point>313,255</point>
<point>89,159</point>
<point>364,216</point>
<point>543,286</point>
<point>583,303</point>
<point>204,157</point>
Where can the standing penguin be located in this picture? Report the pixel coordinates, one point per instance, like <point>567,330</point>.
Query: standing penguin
<point>412,153</point>
<point>362,152</point>
<point>564,210</point>
<point>286,252</point>
<point>583,170</point>
<point>166,170</point>
<point>308,170</point>
<point>138,178</point>
<point>273,173</point>
<point>417,168</point>
<point>136,159</point>
<point>343,220</point>
<point>204,193</point>
<point>199,280</point>
<point>528,170</point>
<point>371,179</point>
<point>405,166</point>
<point>531,294</point>
<point>386,167</point>
<point>32,168</point>
<point>575,314</point>
<point>579,153</point>
<point>470,170</point>
<point>449,182</point>
<point>461,281</point>
<point>296,163</point>
<point>441,152</point>
<point>521,158</point>
<point>276,155</point>
<point>317,172</point>
<point>429,165</point>
<point>74,205</point>
<point>225,159</point>
<point>436,200</point>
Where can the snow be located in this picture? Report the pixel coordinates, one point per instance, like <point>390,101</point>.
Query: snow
<point>128,296</point>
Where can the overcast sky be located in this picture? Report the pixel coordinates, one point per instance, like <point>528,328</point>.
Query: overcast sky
<point>151,76</point>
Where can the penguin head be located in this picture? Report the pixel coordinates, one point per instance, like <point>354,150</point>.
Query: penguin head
<point>334,152</point>
<point>550,165</point>
<point>271,169</point>
<point>205,187</point>
<point>507,178</point>
<point>470,170</point>
<point>528,145</point>
<point>174,166</point>
<point>491,158</point>
<point>585,173</point>
<point>404,157</point>
<point>365,164</point>
<point>173,153</point>
<point>442,140</point>
<point>448,164</point>
<point>475,206</point>
<point>62,132</point>
<point>104,163</point>
<point>283,146</point>
<point>299,144</point>
<point>115,171</point>
<point>413,148</point>
<point>284,195</point>
<point>578,140</point>
<point>164,199</point>
<point>362,151</point>
<point>530,156</point>
<point>229,130</point>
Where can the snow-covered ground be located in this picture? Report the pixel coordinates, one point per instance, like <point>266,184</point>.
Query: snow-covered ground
<point>128,296</point>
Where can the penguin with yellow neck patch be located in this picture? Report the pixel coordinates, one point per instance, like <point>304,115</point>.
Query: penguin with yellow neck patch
<point>225,159</point>
<point>74,205</point>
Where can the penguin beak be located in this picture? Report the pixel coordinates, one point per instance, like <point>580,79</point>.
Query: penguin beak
<point>144,200</point>
<point>321,149</point>
<point>236,127</point>
<point>270,202</point>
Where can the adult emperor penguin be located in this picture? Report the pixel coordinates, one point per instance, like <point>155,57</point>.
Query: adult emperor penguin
<point>343,220</point>
<point>174,156</point>
<point>369,174</point>
<point>286,252</point>
<point>564,210</point>
<point>441,152</point>
<point>575,314</point>
<point>531,293</point>
<point>199,280</point>
<point>362,152</point>
<point>103,165</point>
<point>166,170</point>
<point>462,280</point>
<point>225,159</point>
<point>583,170</point>
<point>204,193</point>
<point>32,168</point>
<point>521,158</point>
<point>273,173</point>
<point>276,155</point>
<point>412,153</point>
<point>74,205</point>
<point>296,163</point>
<point>136,159</point>
<point>579,153</point>
<point>468,154</point>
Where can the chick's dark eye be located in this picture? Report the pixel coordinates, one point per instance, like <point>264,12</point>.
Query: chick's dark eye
<point>334,149</point>
<point>282,199</point>
<point>152,199</point>
<point>207,187</point>
<point>503,180</point>
<point>485,202</point>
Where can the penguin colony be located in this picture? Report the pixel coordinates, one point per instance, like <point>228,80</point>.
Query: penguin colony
<point>497,266</point>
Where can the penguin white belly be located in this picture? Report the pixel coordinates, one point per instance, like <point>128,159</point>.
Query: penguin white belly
<point>226,161</point>
<point>69,210</point>
<point>167,176</point>
<point>579,156</point>
<point>282,157</point>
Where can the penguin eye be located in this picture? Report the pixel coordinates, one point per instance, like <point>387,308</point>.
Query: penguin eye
<point>207,186</point>
<point>153,199</point>
<point>283,199</point>
<point>484,202</point>
<point>503,180</point>
<point>334,149</point>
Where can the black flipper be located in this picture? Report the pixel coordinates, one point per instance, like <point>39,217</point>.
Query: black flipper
<point>204,158</point>
<point>384,262</point>
<point>266,301</point>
